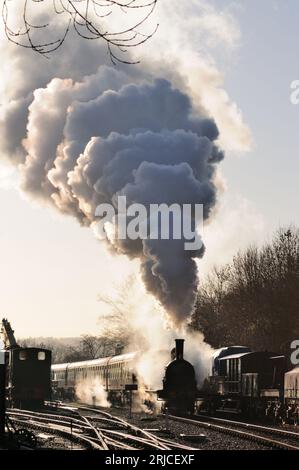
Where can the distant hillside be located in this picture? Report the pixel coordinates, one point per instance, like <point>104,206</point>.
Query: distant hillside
<point>74,348</point>
<point>50,340</point>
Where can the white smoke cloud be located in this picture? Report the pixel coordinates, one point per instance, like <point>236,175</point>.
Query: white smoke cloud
<point>83,132</point>
<point>85,145</point>
<point>195,34</point>
<point>153,338</point>
<point>196,351</point>
<point>92,392</point>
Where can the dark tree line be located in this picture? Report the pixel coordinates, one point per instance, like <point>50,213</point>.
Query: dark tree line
<point>253,300</point>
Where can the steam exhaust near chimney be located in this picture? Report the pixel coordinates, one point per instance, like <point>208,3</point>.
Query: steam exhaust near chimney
<point>179,348</point>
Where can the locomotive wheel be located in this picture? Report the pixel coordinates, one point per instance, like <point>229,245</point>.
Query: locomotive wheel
<point>26,437</point>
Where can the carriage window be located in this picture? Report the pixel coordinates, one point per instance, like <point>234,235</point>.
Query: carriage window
<point>22,355</point>
<point>41,355</point>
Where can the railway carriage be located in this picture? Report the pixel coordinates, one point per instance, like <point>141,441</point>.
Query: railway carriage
<point>242,381</point>
<point>113,374</point>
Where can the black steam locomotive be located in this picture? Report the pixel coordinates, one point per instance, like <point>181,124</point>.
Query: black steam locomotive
<point>116,373</point>
<point>179,384</point>
<point>28,376</point>
<point>241,381</point>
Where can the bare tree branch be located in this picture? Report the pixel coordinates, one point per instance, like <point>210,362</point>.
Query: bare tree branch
<point>115,324</point>
<point>254,299</point>
<point>87,18</point>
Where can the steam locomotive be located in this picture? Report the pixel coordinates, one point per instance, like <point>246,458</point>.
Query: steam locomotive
<point>179,384</point>
<point>241,381</point>
<point>118,377</point>
<point>28,376</point>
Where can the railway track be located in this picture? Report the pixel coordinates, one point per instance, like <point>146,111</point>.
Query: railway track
<point>124,430</point>
<point>93,429</point>
<point>286,440</point>
<point>255,427</point>
<point>65,426</point>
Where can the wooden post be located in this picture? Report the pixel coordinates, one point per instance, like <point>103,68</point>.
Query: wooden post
<point>167,419</point>
<point>130,415</point>
<point>2,391</point>
<point>71,434</point>
<point>130,388</point>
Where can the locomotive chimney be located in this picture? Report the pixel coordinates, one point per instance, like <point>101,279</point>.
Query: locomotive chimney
<point>179,348</point>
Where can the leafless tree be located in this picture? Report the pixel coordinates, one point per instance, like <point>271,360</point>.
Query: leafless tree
<point>114,323</point>
<point>254,299</point>
<point>87,17</point>
<point>92,346</point>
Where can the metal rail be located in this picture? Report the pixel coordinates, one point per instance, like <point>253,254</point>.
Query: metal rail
<point>236,432</point>
<point>65,419</point>
<point>55,429</point>
<point>254,427</point>
<point>60,423</point>
<point>98,433</point>
<point>124,436</point>
<point>148,437</point>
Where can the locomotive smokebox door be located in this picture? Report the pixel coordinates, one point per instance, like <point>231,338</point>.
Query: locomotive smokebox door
<point>2,390</point>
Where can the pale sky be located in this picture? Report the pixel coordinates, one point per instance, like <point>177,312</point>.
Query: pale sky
<point>52,270</point>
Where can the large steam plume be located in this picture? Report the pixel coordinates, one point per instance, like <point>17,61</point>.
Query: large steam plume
<point>84,137</point>
<point>86,143</point>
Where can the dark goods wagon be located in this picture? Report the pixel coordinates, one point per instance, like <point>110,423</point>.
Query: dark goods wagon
<point>246,382</point>
<point>29,377</point>
<point>291,387</point>
<point>179,391</point>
